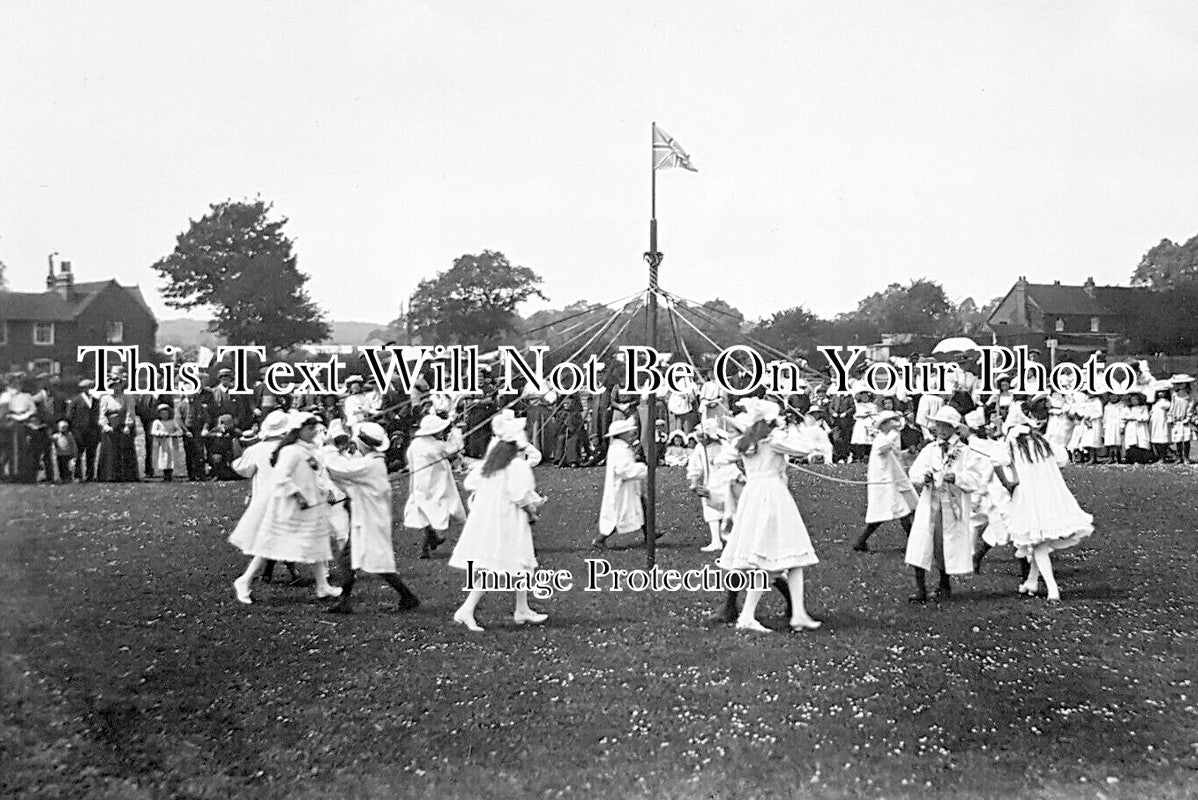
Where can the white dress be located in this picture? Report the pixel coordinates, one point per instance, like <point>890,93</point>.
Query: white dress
<point>620,511</point>
<point>1158,422</point>
<point>288,532</point>
<point>863,416</point>
<point>1042,508</point>
<point>1179,418</point>
<point>951,503</point>
<point>768,532</point>
<point>1060,426</point>
<point>497,535</point>
<point>703,469</point>
<point>167,439</point>
<point>1087,429</point>
<point>254,463</point>
<point>364,479</point>
<point>433,498</point>
<point>991,501</point>
<point>890,493</point>
<point>1113,420</point>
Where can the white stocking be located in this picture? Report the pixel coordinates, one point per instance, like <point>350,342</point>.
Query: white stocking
<point>794,580</point>
<point>1033,574</point>
<point>321,571</point>
<point>752,598</point>
<point>522,602</point>
<point>471,602</point>
<point>714,528</point>
<point>251,572</point>
<point>1043,560</point>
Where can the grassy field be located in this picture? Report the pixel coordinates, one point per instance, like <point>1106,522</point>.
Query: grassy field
<point>129,671</point>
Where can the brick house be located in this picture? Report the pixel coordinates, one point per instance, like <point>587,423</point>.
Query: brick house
<point>40,331</point>
<point>1082,319</point>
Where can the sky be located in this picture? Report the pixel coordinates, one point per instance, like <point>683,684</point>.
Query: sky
<point>840,146</point>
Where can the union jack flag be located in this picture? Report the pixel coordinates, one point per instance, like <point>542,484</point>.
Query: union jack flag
<point>668,153</point>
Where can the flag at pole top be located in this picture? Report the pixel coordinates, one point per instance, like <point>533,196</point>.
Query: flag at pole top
<point>668,153</point>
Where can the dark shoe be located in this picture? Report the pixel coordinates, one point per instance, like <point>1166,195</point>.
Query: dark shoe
<point>920,596</point>
<point>408,602</point>
<point>860,546</point>
<point>977,563</point>
<point>425,552</point>
<point>599,543</point>
<point>721,619</point>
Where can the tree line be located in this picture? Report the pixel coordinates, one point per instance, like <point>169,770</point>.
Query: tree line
<point>237,261</point>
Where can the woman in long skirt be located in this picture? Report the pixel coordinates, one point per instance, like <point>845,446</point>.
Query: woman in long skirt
<point>497,536</point>
<point>1043,515</point>
<point>295,522</point>
<point>768,533</point>
<point>118,457</point>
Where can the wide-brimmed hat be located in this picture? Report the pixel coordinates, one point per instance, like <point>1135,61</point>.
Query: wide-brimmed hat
<point>497,421</point>
<point>886,416</point>
<point>298,419</point>
<point>976,419</point>
<point>677,432</point>
<point>712,430</point>
<point>336,430</point>
<point>760,410</point>
<point>511,429</point>
<point>948,415</point>
<point>162,407</point>
<point>87,383</point>
<point>224,373</point>
<point>276,424</point>
<point>621,426</point>
<point>249,437</point>
<point>372,435</point>
<point>431,424</point>
<point>353,379</point>
<point>1181,379</point>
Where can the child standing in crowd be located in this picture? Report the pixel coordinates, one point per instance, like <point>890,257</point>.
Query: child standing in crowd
<point>816,436</point>
<point>621,511</point>
<point>941,534</point>
<point>768,533</point>
<point>1086,440</point>
<point>167,437</point>
<point>863,419</point>
<point>1114,418</point>
<point>66,450</point>
<point>433,498</point>
<point>677,453</point>
<point>1060,423</point>
<point>363,478</point>
<point>294,523</point>
<point>1043,516</point>
<point>1181,434</point>
<point>1159,429</point>
<point>890,494</point>
<point>1137,444</point>
<point>711,482</point>
<point>497,536</point>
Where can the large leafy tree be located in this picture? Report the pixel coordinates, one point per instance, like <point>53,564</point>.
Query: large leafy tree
<point>473,302</point>
<point>919,307</point>
<point>239,263</point>
<point>1168,265</point>
<point>794,330</point>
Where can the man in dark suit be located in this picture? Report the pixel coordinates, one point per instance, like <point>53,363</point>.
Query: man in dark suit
<point>83,412</point>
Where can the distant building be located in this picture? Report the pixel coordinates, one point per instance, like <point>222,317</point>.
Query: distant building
<point>40,331</point>
<point>1082,319</point>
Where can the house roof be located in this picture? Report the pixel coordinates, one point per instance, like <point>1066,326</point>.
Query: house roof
<point>53,307</point>
<point>1054,298</point>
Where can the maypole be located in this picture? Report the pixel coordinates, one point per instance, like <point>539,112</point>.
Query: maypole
<point>666,153</point>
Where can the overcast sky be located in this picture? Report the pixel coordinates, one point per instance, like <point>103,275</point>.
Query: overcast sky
<point>840,146</point>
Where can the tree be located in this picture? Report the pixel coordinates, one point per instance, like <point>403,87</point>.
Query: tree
<point>794,330</point>
<point>238,262</point>
<point>971,319</point>
<point>920,307</point>
<point>474,302</point>
<point>1168,265</point>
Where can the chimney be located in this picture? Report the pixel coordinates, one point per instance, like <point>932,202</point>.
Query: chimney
<point>1089,287</point>
<point>1021,301</point>
<point>64,282</point>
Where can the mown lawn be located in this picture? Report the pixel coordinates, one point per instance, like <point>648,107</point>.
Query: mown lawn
<point>129,671</point>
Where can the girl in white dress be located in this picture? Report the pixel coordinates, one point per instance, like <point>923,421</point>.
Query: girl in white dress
<point>294,524</point>
<point>992,500</point>
<point>620,509</point>
<point>497,536</point>
<point>255,463</point>
<point>1086,439</point>
<point>1159,429</point>
<point>890,494</point>
<point>768,533</point>
<point>1043,515</point>
<point>166,435</point>
<point>1137,446</point>
<point>363,478</point>
<point>433,498</point>
<point>1060,423</point>
<point>863,423</point>
<point>711,482</point>
<point>1113,420</point>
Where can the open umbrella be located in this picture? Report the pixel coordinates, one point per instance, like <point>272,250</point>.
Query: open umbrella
<point>955,344</point>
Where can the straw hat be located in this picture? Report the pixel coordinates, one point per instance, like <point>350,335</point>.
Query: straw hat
<point>620,427</point>
<point>275,425</point>
<point>887,416</point>
<point>760,410</point>
<point>948,415</point>
<point>372,435</point>
<point>431,424</point>
<point>511,429</point>
<point>1181,379</point>
<point>298,419</point>
<point>498,420</point>
<point>336,430</point>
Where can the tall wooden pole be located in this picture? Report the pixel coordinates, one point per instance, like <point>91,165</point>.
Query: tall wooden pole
<point>654,259</point>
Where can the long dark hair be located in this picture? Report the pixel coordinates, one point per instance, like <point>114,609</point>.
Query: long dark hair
<point>1032,442</point>
<point>747,443</point>
<point>500,456</point>
<point>291,437</point>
